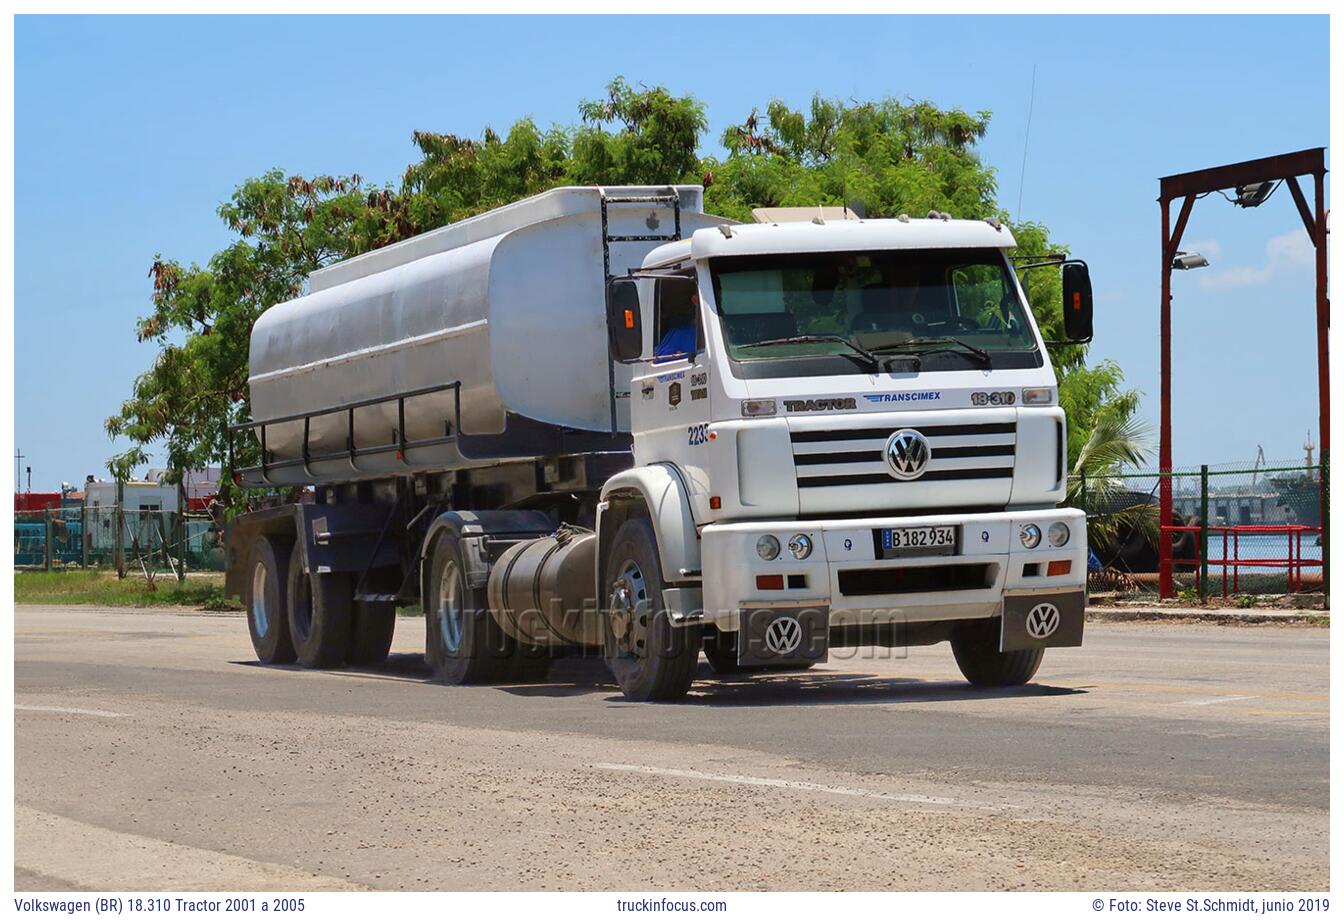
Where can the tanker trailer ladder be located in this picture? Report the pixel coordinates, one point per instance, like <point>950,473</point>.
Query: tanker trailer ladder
<point>672,198</point>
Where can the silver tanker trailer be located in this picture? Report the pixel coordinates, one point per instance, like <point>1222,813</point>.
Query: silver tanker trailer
<point>602,420</point>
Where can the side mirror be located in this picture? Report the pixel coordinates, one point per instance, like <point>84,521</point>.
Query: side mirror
<point>1077,303</point>
<point>625,328</point>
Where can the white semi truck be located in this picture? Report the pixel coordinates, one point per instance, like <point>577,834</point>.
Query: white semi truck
<point>601,420</point>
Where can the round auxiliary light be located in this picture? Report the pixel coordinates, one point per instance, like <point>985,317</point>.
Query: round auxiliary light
<point>1058,534</point>
<point>800,544</point>
<point>1030,535</point>
<point>767,547</point>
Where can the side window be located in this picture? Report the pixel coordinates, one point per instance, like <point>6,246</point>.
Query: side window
<point>677,324</point>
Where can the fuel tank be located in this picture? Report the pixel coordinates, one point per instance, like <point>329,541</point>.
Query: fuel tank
<point>541,591</point>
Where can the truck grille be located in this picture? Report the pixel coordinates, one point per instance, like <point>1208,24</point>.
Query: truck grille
<point>854,457</point>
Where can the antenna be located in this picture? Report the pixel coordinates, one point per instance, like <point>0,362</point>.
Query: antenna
<point>1026,140</point>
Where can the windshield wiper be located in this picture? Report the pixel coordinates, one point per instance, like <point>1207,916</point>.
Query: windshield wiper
<point>985,358</point>
<point>854,346</point>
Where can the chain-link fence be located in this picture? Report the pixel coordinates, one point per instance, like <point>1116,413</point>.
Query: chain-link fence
<point>128,539</point>
<point>1234,530</point>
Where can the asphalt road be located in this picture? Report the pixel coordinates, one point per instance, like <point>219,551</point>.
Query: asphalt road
<point>152,752</point>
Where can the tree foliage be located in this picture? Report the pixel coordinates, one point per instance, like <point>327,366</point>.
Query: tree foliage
<point>884,158</point>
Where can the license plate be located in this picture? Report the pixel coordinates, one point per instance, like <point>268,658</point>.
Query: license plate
<point>938,540</point>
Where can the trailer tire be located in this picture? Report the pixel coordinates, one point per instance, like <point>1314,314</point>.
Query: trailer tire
<point>463,643</point>
<point>651,659</point>
<point>976,649</point>
<point>371,633</point>
<point>319,615</point>
<point>266,598</point>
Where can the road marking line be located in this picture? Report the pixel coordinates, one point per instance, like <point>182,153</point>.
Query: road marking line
<point>106,860</point>
<point>1216,700</point>
<point>800,785</point>
<point>70,710</point>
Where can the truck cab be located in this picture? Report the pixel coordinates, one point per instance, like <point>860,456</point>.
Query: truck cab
<point>846,433</point>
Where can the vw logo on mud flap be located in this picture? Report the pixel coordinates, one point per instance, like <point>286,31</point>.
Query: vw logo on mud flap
<point>907,454</point>
<point>1042,621</point>
<point>784,635</point>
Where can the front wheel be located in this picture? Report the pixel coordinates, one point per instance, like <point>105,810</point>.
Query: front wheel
<point>651,658</point>
<point>976,648</point>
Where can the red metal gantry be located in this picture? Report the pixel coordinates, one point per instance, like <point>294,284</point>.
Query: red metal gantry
<point>1188,187</point>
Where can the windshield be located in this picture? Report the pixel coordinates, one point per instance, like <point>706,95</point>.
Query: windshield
<point>913,301</point>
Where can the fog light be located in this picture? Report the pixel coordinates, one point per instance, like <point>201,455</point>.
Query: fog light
<point>767,547</point>
<point>800,545</point>
<point>1030,535</point>
<point>1058,534</point>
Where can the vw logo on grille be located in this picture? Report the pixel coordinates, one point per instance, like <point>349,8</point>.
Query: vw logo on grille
<point>907,454</point>
<point>784,635</point>
<point>1042,621</point>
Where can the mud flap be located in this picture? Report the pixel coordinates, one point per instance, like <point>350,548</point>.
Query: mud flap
<point>1042,620</point>
<point>783,636</point>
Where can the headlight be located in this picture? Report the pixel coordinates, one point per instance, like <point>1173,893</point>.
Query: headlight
<point>754,408</point>
<point>767,547</point>
<point>1037,396</point>
<point>1058,534</point>
<point>1030,535</point>
<point>800,545</point>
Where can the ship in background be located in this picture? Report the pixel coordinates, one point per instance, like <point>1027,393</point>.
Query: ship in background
<point>1299,494</point>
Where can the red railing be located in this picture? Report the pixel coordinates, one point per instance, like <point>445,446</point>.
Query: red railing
<point>1232,565</point>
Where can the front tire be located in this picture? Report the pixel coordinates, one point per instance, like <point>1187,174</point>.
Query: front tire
<point>976,648</point>
<point>319,615</point>
<point>267,602</point>
<point>650,658</point>
<point>463,643</point>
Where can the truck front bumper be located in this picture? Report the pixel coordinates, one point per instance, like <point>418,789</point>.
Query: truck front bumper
<point>847,575</point>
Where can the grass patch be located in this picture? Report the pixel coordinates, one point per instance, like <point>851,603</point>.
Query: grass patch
<point>205,591</point>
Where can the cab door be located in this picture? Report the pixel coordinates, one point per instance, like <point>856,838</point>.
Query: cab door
<point>669,392</point>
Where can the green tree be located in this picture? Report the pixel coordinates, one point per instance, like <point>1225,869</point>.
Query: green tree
<point>886,157</point>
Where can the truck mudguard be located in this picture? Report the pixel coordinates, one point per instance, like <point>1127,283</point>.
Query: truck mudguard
<point>471,527</point>
<point>663,493</point>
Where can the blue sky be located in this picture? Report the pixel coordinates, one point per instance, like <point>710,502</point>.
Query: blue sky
<point>130,131</point>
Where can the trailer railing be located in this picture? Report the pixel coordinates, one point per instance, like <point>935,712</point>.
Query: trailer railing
<point>399,444</point>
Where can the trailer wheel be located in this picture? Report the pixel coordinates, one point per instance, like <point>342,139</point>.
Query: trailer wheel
<point>266,600</point>
<point>650,658</point>
<point>976,649</point>
<point>319,615</point>
<point>371,633</point>
<point>463,643</point>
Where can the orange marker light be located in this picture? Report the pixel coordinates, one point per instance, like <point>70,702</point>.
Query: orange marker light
<point>713,435</point>
<point>770,582</point>
<point>715,503</point>
<point>630,318</point>
<point>1077,300</point>
<point>1059,567</point>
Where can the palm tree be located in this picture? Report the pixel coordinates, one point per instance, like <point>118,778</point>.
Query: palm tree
<point>1118,439</point>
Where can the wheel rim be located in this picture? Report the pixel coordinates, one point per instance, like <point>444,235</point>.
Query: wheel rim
<point>629,607</point>
<point>260,620</point>
<point>449,610</point>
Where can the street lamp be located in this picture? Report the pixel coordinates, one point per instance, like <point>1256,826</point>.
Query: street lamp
<point>1254,194</point>
<point>1185,261</point>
